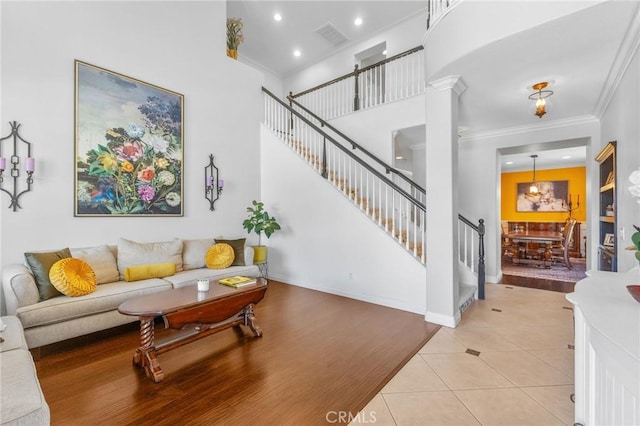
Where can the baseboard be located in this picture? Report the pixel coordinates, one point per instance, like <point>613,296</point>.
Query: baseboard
<point>390,303</point>
<point>445,320</point>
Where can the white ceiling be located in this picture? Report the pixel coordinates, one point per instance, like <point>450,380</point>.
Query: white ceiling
<point>270,44</point>
<point>575,52</point>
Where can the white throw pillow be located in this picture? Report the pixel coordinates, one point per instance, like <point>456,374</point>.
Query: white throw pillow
<point>194,251</point>
<point>132,253</point>
<point>101,260</point>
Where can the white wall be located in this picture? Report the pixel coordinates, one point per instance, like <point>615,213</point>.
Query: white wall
<point>620,123</point>
<point>447,43</point>
<point>327,243</point>
<point>176,45</point>
<point>372,128</point>
<point>404,36</point>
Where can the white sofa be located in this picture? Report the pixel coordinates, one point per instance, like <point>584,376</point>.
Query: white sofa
<point>21,398</point>
<point>62,317</point>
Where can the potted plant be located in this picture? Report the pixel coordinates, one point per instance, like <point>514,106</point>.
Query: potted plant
<point>260,222</point>
<point>234,36</point>
<point>635,239</point>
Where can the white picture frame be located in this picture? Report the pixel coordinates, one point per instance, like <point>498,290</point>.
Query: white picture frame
<point>608,240</point>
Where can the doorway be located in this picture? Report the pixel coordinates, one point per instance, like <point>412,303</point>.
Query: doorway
<point>537,264</point>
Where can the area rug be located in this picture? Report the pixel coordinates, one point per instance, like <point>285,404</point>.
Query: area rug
<point>557,272</point>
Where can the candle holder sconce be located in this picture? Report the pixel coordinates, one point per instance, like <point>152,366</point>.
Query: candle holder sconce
<point>571,206</point>
<point>213,184</point>
<point>14,160</point>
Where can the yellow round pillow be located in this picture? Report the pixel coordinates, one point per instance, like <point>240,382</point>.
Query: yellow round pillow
<point>72,277</point>
<point>219,256</point>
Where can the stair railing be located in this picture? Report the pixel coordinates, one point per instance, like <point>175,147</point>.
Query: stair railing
<point>398,177</point>
<point>470,236</point>
<point>437,9</point>
<point>393,208</point>
<point>397,77</point>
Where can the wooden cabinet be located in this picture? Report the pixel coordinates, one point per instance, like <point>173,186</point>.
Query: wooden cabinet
<point>607,243</point>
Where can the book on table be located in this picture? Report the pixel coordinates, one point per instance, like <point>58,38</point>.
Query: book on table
<point>237,281</point>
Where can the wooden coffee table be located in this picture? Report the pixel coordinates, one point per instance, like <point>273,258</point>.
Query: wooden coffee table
<point>194,314</point>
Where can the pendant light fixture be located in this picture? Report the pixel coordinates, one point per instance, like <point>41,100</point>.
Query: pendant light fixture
<point>540,97</point>
<point>533,188</point>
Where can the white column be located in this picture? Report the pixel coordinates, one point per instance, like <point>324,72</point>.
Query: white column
<point>442,204</point>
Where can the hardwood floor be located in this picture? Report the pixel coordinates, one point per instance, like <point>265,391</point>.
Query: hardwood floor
<point>539,283</point>
<point>320,353</point>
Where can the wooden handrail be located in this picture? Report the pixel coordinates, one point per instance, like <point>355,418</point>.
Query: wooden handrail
<point>357,159</point>
<point>480,229</point>
<point>357,71</point>
<point>354,145</point>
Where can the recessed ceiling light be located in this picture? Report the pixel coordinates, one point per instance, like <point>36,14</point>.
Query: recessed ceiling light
<point>399,157</point>
<point>358,21</point>
<point>296,53</point>
<point>509,162</point>
<point>277,17</point>
<point>566,157</point>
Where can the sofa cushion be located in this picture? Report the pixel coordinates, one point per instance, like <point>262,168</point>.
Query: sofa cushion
<point>40,263</point>
<point>155,270</point>
<point>102,261</point>
<point>238,250</point>
<point>107,297</point>
<point>73,277</point>
<point>219,256</point>
<point>131,253</point>
<point>193,252</point>
<point>21,399</point>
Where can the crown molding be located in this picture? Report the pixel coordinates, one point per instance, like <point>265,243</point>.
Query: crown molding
<point>451,82</point>
<point>627,50</point>
<point>518,130</point>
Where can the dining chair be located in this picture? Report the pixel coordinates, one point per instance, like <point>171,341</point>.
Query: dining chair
<point>560,251</point>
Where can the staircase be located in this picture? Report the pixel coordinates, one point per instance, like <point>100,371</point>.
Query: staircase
<point>364,181</point>
<point>384,194</point>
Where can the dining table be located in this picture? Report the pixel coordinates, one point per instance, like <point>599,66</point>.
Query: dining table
<point>535,246</point>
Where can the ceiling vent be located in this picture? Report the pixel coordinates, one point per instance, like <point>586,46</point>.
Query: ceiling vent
<point>331,34</point>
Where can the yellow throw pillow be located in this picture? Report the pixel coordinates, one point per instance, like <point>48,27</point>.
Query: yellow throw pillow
<point>72,277</point>
<point>153,270</point>
<point>219,256</point>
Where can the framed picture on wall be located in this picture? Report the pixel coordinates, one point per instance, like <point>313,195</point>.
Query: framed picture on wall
<point>128,146</point>
<point>551,197</point>
<point>608,240</point>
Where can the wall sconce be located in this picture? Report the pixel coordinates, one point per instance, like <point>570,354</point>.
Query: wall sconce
<point>570,206</point>
<point>29,166</point>
<point>213,185</point>
<point>540,97</point>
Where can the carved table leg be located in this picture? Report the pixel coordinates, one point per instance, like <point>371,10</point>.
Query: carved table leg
<point>145,356</point>
<point>250,320</point>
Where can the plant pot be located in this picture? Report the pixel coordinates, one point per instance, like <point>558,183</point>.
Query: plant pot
<point>232,53</point>
<point>259,254</point>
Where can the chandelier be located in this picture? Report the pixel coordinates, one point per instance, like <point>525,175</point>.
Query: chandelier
<point>540,97</point>
<point>533,188</point>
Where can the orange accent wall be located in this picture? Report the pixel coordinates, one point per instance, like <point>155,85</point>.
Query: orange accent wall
<point>577,186</point>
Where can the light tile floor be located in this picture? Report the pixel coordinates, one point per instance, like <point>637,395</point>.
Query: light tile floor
<point>523,374</point>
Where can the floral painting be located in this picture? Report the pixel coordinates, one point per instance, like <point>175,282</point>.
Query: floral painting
<point>129,146</point>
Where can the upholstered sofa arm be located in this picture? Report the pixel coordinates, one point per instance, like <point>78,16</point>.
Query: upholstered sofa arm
<point>19,287</point>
